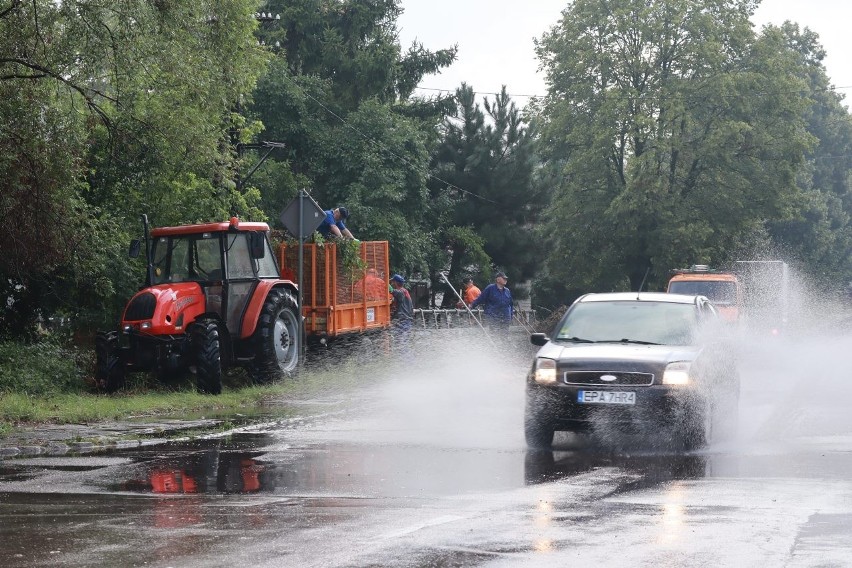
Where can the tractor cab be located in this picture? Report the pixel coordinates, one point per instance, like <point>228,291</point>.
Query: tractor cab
<point>222,261</point>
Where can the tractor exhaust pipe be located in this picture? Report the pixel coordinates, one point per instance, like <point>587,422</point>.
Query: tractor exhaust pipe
<point>149,273</point>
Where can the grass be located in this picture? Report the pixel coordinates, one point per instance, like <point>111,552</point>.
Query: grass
<point>50,382</point>
<point>76,408</point>
<point>145,397</point>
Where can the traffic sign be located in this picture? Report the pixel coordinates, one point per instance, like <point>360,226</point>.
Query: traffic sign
<point>302,219</point>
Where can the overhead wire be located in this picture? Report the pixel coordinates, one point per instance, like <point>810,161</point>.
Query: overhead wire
<point>541,96</point>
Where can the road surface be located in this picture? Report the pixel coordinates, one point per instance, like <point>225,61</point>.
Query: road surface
<point>426,466</point>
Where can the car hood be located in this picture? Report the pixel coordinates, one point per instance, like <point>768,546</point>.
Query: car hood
<point>626,352</point>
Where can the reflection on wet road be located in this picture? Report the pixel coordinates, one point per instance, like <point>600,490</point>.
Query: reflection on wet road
<point>430,469</point>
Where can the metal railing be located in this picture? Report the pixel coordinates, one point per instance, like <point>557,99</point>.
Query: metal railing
<point>452,318</point>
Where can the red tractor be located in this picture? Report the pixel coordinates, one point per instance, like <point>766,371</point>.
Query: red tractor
<point>213,299</point>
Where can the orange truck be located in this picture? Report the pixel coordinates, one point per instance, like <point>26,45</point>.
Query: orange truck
<point>722,288</point>
<point>339,300</point>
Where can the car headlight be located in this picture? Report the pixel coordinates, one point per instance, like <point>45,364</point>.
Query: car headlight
<point>545,371</point>
<point>677,373</point>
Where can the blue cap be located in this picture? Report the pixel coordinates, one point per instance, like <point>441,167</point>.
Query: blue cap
<point>398,278</point>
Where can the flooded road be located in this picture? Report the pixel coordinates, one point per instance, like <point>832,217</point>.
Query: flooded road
<point>427,466</point>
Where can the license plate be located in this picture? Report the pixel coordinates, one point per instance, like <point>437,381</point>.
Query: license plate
<point>606,397</point>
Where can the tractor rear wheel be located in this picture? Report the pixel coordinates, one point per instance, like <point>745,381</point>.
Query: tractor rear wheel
<point>276,341</point>
<point>206,346</point>
<point>109,370</point>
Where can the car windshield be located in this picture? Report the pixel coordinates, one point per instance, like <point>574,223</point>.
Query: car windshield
<point>187,258</point>
<point>664,323</point>
<point>721,293</point>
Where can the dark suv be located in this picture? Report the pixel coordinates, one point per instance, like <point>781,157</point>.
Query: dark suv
<point>636,363</point>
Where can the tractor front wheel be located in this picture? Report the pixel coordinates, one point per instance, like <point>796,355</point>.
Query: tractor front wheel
<point>206,346</point>
<point>109,370</point>
<point>276,341</point>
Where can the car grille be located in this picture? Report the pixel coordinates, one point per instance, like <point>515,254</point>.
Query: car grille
<point>621,378</point>
<point>141,307</point>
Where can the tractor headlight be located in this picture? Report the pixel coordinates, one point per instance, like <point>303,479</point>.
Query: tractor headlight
<point>677,373</point>
<point>145,325</point>
<point>545,371</point>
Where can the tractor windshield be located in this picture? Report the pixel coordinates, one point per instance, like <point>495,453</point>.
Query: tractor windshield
<point>187,258</point>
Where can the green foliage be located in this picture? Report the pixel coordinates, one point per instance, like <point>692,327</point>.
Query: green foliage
<point>348,251</point>
<point>819,231</point>
<point>338,96</point>
<point>349,257</point>
<point>487,158</point>
<point>110,110</point>
<point>38,369</point>
<point>672,134</point>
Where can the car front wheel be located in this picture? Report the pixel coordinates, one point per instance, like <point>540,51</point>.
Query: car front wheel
<point>537,431</point>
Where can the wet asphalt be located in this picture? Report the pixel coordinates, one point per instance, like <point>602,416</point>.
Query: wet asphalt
<point>426,466</point>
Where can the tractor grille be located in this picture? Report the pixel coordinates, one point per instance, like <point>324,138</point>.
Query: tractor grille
<point>141,307</point>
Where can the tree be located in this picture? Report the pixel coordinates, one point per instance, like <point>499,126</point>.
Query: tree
<point>674,133</point>
<point>819,233</point>
<point>485,165</point>
<point>109,110</point>
<point>338,96</point>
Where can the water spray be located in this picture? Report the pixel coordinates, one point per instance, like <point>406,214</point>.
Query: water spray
<point>469,311</point>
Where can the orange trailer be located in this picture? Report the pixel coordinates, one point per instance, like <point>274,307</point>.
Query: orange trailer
<point>337,301</point>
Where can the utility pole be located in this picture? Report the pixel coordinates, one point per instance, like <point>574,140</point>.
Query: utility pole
<point>240,180</point>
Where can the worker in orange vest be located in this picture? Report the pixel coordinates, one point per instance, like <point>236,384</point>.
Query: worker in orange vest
<point>471,292</point>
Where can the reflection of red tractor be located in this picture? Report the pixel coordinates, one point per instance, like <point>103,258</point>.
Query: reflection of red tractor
<point>213,299</point>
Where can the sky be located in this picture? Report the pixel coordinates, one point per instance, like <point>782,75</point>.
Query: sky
<point>495,39</point>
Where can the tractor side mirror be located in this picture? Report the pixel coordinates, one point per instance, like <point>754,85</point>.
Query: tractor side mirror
<point>135,247</point>
<point>257,245</point>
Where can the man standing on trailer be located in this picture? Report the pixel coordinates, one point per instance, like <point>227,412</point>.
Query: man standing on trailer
<point>333,226</point>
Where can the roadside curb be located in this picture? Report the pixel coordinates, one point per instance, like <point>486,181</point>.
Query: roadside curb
<point>76,439</point>
<point>86,439</point>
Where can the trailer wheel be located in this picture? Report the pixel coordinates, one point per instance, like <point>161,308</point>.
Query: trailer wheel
<point>206,346</point>
<point>276,340</point>
<point>109,370</point>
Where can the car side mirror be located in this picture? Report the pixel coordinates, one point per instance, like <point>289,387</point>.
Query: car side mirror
<point>539,339</point>
<point>135,248</point>
<point>257,245</point>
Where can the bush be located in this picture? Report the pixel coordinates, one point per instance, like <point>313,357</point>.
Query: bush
<point>42,368</point>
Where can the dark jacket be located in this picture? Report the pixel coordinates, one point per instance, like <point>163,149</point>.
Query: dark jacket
<point>496,303</point>
<point>325,227</point>
<point>403,307</point>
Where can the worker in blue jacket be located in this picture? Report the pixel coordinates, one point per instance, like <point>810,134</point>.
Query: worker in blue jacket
<point>333,225</point>
<point>496,301</point>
